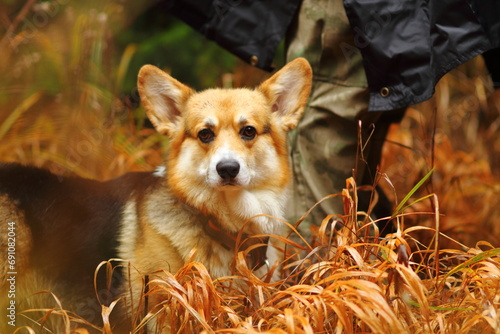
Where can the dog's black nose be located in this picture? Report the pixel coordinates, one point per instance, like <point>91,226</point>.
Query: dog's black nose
<point>228,169</point>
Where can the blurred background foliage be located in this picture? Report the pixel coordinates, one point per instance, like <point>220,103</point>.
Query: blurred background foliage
<point>68,97</point>
<point>168,43</point>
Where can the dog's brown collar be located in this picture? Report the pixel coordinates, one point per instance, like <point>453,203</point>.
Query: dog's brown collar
<point>256,257</point>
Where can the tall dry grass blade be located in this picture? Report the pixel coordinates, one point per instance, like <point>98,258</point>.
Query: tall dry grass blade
<point>13,26</point>
<point>21,330</point>
<point>124,64</point>
<point>309,211</point>
<point>68,164</point>
<point>106,312</point>
<point>150,316</point>
<point>21,109</point>
<point>436,237</point>
<point>48,312</point>
<point>77,37</point>
<point>171,286</point>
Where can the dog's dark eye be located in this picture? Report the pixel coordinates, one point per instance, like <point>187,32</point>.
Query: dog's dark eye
<point>206,135</point>
<point>248,133</point>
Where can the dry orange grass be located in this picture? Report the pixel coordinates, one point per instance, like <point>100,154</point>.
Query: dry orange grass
<point>350,281</point>
<point>456,132</point>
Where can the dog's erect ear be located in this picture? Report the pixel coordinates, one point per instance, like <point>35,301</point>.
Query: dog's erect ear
<point>163,98</point>
<point>288,90</point>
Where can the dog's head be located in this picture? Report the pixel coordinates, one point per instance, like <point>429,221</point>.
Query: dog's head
<point>225,141</point>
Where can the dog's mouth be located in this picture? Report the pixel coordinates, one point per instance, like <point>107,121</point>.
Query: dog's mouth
<point>229,183</point>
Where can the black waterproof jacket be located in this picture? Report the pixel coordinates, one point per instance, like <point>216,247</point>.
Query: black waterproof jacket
<point>250,29</point>
<point>407,46</point>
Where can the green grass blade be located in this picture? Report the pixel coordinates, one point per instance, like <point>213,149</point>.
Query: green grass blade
<point>416,201</point>
<point>410,194</point>
<point>478,258</point>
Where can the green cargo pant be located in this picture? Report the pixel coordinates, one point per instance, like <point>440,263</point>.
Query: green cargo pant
<point>324,145</point>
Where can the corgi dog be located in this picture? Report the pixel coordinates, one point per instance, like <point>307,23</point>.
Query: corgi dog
<point>227,176</point>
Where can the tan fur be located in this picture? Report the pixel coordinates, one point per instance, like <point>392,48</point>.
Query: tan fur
<point>277,104</point>
<point>273,109</point>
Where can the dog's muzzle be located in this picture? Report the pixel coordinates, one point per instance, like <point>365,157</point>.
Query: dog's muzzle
<point>228,170</point>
